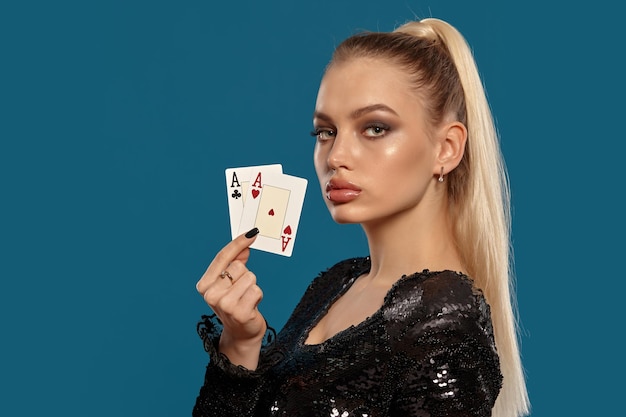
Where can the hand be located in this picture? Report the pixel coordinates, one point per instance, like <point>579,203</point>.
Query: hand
<point>230,289</point>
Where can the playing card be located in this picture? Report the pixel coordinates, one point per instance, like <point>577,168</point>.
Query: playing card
<point>237,183</point>
<point>273,204</point>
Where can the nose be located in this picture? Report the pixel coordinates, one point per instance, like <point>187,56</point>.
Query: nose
<point>340,155</point>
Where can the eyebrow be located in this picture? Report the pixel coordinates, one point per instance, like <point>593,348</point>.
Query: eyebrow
<point>359,112</point>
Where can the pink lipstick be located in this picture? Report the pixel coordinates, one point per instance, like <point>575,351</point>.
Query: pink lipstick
<point>341,191</point>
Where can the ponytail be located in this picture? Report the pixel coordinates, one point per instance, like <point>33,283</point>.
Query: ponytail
<point>480,207</point>
<point>443,72</point>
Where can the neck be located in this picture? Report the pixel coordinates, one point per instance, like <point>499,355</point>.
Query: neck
<point>411,241</point>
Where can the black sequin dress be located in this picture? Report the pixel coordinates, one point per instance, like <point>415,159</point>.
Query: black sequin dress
<point>428,351</point>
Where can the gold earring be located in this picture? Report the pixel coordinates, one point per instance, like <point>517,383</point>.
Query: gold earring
<point>440,179</point>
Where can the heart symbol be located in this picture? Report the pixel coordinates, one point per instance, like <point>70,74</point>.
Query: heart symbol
<point>271,212</point>
<point>255,193</point>
<point>287,230</point>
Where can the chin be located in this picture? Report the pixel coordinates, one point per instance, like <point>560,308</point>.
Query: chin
<point>343,221</point>
<point>341,215</point>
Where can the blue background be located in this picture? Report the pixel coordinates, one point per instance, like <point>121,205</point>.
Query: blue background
<point>117,121</point>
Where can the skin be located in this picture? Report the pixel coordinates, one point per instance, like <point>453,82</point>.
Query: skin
<point>375,146</point>
<point>372,132</point>
<point>236,303</point>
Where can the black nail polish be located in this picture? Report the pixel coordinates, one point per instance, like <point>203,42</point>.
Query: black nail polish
<point>252,233</point>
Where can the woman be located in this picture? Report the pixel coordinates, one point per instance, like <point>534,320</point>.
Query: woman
<point>406,147</point>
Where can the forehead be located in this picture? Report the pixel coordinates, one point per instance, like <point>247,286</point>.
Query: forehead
<point>365,81</point>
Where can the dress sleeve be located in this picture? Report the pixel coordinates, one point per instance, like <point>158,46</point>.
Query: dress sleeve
<point>228,390</point>
<point>446,360</point>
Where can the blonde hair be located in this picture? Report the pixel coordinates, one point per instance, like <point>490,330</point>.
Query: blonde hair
<point>445,76</point>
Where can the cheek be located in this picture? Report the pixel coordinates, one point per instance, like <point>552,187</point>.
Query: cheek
<point>400,158</point>
<point>407,161</point>
<point>319,161</point>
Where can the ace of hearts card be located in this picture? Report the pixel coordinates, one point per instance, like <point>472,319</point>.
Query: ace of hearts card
<point>273,205</point>
<point>237,184</point>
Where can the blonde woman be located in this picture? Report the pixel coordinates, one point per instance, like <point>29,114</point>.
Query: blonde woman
<point>424,325</point>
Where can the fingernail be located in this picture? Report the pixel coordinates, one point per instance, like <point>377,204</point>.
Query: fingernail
<point>252,233</point>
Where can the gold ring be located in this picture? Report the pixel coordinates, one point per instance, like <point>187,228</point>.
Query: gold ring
<point>225,274</point>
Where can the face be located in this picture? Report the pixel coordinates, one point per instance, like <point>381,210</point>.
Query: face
<point>373,156</point>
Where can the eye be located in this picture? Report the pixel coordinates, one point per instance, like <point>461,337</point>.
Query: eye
<point>376,130</point>
<point>323,134</point>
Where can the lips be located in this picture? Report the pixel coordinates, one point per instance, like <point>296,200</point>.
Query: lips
<point>341,191</point>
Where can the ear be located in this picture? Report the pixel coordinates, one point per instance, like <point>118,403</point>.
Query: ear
<point>452,139</point>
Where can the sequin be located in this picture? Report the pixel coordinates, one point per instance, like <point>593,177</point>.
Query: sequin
<point>428,351</point>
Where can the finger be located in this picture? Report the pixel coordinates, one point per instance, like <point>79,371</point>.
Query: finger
<point>212,289</point>
<point>233,272</point>
<point>248,303</point>
<point>221,295</point>
<point>243,256</point>
<point>225,291</point>
<point>236,249</point>
<point>240,245</point>
<point>239,287</point>
<point>241,300</point>
<point>252,296</point>
<point>233,250</point>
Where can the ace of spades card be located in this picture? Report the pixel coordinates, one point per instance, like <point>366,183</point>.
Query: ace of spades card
<point>237,184</point>
<point>274,205</point>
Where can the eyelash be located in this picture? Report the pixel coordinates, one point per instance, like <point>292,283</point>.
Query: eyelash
<point>317,132</point>
<point>383,127</point>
